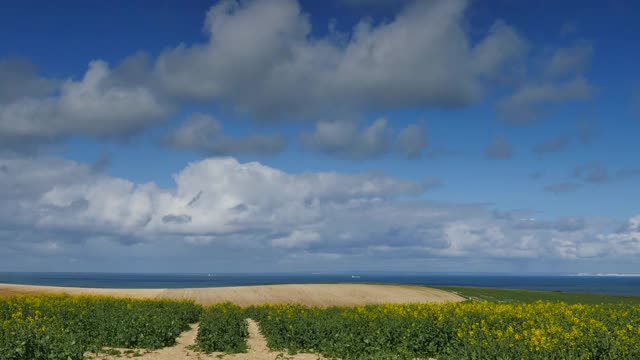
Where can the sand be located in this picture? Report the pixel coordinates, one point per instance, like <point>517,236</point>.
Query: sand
<point>307,294</point>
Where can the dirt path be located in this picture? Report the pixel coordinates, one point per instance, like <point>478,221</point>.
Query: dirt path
<point>258,350</point>
<point>179,351</point>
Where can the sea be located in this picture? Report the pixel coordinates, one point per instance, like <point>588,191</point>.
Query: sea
<point>615,284</point>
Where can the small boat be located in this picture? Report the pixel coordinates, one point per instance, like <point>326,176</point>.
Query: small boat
<point>355,276</point>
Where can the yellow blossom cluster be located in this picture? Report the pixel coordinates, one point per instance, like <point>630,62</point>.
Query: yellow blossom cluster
<point>63,327</point>
<point>468,330</point>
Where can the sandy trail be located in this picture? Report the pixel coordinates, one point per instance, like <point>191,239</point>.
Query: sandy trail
<point>306,294</point>
<point>257,344</point>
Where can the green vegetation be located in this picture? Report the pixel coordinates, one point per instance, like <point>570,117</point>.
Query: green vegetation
<point>62,327</point>
<point>223,329</point>
<point>496,324</point>
<point>529,296</point>
<point>468,330</point>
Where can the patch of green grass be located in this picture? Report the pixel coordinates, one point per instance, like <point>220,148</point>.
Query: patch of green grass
<point>529,296</point>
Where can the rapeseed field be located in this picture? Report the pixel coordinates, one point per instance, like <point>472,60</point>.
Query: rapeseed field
<point>468,330</point>
<point>58,327</point>
<point>62,327</point>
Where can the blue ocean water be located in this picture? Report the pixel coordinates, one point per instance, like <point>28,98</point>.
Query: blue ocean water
<point>619,285</point>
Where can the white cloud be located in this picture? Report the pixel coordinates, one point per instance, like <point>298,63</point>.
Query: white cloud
<point>203,133</point>
<point>528,102</point>
<point>570,60</point>
<point>19,80</point>
<point>230,197</point>
<point>560,80</point>
<point>412,140</point>
<point>243,207</point>
<point>501,53</point>
<point>97,105</point>
<point>262,58</point>
<point>625,242</point>
<point>345,140</point>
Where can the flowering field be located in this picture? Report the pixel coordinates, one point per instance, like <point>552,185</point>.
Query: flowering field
<point>62,327</point>
<point>469,330</point>
<point>223,329</point>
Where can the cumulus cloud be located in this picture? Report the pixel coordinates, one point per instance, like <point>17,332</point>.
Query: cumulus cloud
<point>625,242</point>
<point>553,145</point>
<point>205,134</point>
<point>56,206</point>
<point>412,140</point>
<point>499,149</point>
<point>501,54</point>
<point>97,105</point>
<point>345,140</point>
<point>528,102</point>
<point>560,79</point>
<point>262,58</point>
<point>206,192</point>
<point>20,80</point>
<point>570,60</point>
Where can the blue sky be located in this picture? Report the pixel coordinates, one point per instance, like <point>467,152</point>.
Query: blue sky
<point>430,119</point>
